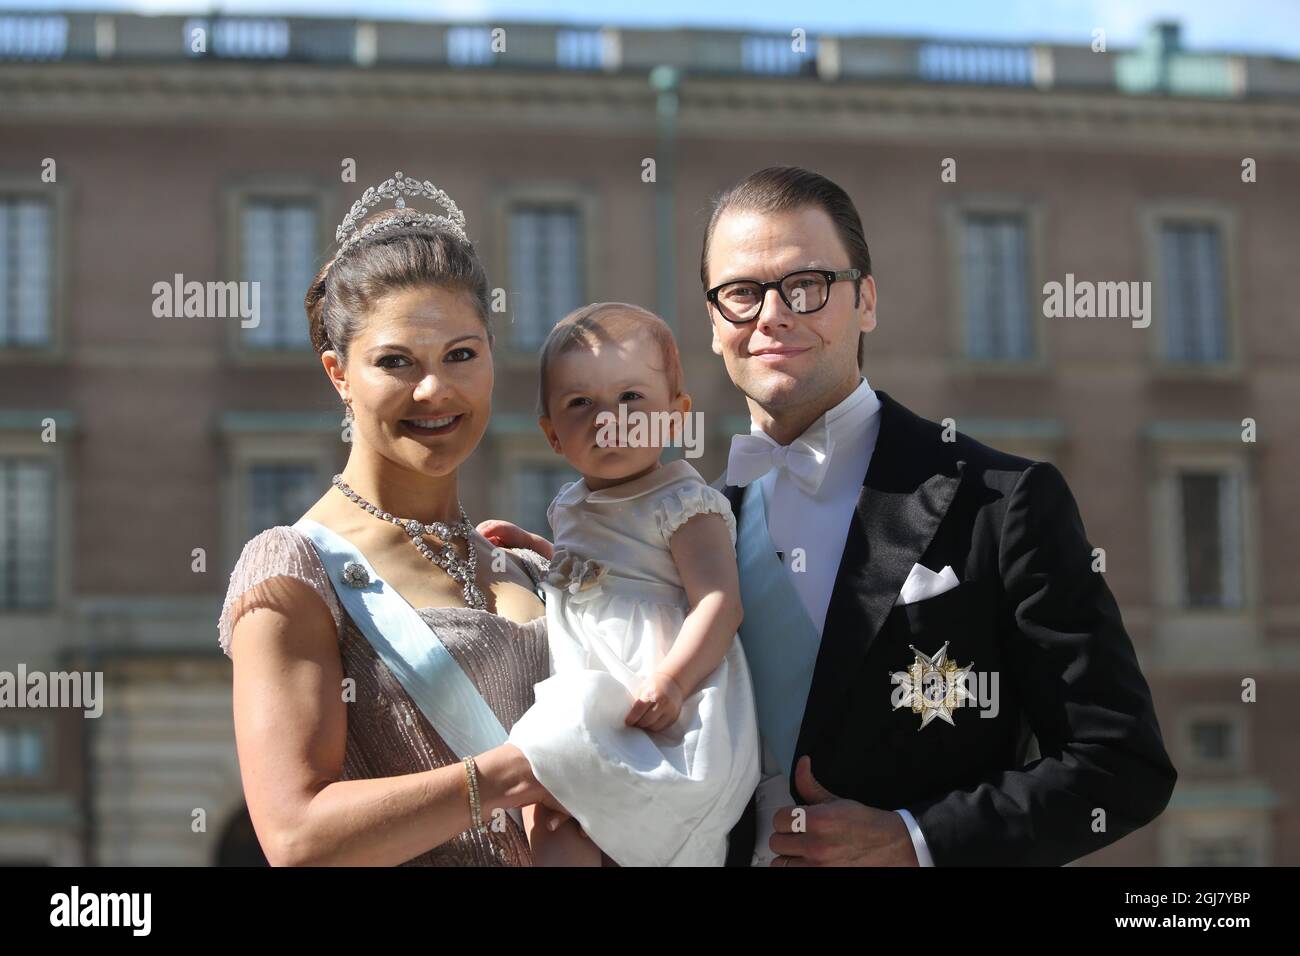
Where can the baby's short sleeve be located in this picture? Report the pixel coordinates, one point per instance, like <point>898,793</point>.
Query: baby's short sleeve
<point>683,501</point>
<point>277,552</point>
<point>550,509</point>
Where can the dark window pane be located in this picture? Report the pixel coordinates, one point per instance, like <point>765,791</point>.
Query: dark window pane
<point>279,253</point>
<point>1192,283</point>
<point>1212,740</point>
<point>279,494</point>
<point>546,270</point>
<point>26,534</point>
<point>996,291</point>
<point>26,262</point>
<point>1202,539</point>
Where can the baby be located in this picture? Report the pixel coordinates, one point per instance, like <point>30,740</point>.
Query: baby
<point>646,731</point>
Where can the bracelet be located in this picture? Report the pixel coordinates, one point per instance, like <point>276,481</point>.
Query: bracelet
<point>475,808</point>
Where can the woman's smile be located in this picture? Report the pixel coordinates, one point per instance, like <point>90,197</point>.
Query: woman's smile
<point>428,427</point>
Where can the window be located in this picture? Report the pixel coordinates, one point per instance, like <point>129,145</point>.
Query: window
<point>535,487</point>
<point>26,534</point>
<point>22,752</point>
<point>983,64</point>
<point>279,493</point>
<point>1227,850</point>
<point>1192,283</point>
<point>33,37</point>
<point>240,37</point>
<point>547,274</point>
<point>1209,513</point>
<point>1213,740</point>
<point>469,46</point>
<point>278,240</point>
<point>775,55</point>
<point>26,263</point>
<point>580,49</point>
<point>995,286</point>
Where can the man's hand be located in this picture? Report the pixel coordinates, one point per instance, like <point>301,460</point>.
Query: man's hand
<point>503,534</point>
<point>832,831</point>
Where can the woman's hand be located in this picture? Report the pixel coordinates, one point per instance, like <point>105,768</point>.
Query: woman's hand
<point>506,780</point>
<point>503,534</point>
<point>657,705</point>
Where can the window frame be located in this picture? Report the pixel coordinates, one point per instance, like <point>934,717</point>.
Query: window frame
<point>1200,636</point>
<point>1237,762</point>
<point>266,438</point>
<point>517,442</point>
<point>27,631</point>
<point>46,775</point>
<point>955,213</point>
<point>505,196</point>
<point>1151,218</point>
<point>59,196</point>
<point>236,196</point>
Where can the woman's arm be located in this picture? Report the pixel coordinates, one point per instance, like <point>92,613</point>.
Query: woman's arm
<point>291,731</point>
<point>705,559</point>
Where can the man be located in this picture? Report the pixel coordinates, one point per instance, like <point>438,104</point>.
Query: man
<point>917,605</point>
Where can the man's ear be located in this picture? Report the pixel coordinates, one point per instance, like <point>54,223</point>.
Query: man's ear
<point>713,327</point>
<point>867,305</point>
<point>548,429</point>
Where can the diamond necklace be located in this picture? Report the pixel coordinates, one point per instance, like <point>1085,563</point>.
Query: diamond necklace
<point>463,572</point>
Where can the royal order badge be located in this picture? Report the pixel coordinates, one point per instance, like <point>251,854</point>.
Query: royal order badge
<point>932,686</point>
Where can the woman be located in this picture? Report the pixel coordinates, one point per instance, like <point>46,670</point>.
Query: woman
<point>340,758</point>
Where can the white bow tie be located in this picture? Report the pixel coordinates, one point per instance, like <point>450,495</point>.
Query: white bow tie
<point>753,456</point>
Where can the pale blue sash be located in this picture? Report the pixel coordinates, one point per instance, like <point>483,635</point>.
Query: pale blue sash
<point>410,649</point>
<point>774,631</point>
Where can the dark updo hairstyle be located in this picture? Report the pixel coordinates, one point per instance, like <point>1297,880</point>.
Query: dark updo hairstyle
<point>403,257</point>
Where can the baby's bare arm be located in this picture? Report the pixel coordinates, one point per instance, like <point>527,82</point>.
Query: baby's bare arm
<point>706,563</point>
<point>566,845</point>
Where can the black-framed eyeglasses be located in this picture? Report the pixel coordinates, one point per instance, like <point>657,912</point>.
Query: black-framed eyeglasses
<point>805,291</point>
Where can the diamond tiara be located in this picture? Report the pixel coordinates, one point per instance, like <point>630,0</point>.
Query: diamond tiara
<point>398,188</point>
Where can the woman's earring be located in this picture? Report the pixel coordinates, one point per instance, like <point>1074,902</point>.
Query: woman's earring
<point>347,414</point>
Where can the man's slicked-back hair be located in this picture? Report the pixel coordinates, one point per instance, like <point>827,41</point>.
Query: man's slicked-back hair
<point>780,188</point>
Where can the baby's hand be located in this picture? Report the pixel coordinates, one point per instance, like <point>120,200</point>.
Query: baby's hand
<point>503,534</point>
<point>658,702</point>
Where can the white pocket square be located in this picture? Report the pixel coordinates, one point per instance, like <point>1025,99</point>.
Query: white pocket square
<point>922,583</point>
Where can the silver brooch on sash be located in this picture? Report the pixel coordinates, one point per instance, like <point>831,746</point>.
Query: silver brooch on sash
<point>355,575</point>
<point>932,686</point>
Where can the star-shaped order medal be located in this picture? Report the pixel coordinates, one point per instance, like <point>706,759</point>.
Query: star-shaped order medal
<point>932,686</point>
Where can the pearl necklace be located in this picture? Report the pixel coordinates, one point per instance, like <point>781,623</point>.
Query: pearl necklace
<point>463,572</point>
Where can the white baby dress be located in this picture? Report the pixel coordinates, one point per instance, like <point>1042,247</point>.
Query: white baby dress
<point>646,799</point>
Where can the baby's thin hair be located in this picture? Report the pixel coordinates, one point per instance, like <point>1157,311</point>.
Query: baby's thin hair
<point>606,323</point>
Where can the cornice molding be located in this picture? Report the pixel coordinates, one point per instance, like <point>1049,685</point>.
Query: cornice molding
<point>308,95</point>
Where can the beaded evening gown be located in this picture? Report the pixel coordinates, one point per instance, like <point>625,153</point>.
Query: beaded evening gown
<point>387,733</point>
